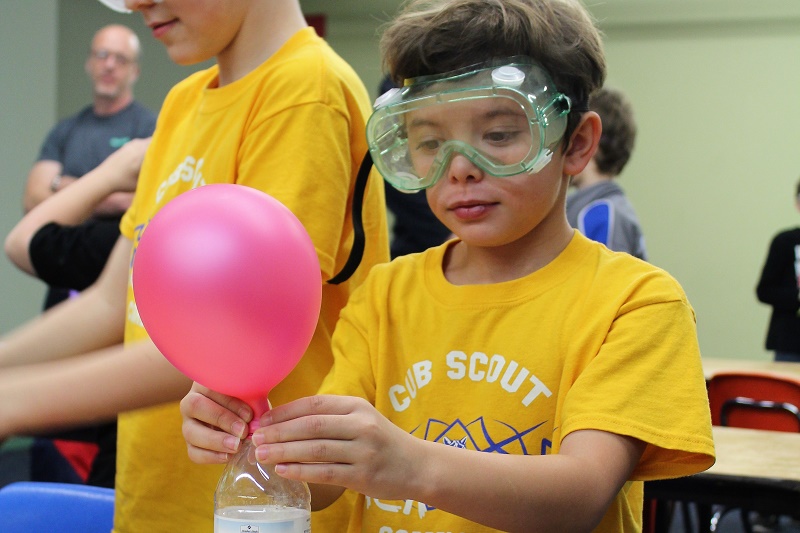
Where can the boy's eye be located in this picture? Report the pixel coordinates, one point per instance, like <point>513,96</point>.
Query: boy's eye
<point>429,145</point>
<point>501,137</point>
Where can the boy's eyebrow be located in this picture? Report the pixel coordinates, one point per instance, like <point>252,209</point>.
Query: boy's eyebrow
<point>492,113</point>
<point>419,122</point>
<point>504,111</point>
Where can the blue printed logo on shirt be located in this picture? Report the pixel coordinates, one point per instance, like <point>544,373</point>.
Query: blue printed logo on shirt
<point>116,142</point>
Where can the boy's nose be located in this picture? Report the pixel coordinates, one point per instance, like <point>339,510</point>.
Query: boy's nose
<point>135,5</point>
<point>461,169</point>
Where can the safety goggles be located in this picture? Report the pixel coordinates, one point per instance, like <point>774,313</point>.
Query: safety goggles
<point>506,117</point>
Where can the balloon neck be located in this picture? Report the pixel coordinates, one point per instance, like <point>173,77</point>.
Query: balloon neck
<point>259,407</point>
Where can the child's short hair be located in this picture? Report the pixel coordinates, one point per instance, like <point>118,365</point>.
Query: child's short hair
<point>619,130</point>
<point>438,36</point>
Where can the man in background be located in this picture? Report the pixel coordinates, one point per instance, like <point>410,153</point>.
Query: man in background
<point>599,208</point>
<point>79,143</point>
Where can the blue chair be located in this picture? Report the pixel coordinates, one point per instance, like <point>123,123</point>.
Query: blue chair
<point>27,506</point>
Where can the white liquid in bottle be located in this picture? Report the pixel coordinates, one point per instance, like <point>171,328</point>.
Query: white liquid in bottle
<point>251,498</point>
<point>262,519</point>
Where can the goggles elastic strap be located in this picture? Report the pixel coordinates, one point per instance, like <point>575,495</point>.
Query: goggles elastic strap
<point>359,239</point>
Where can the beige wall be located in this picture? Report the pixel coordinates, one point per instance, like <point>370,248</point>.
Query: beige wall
<point>714,84</point>
<point>713,175</point>
<point>28,56</point>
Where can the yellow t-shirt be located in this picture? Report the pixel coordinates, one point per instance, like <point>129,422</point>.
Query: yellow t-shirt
<point>294,128</point>
<point>594,340</point>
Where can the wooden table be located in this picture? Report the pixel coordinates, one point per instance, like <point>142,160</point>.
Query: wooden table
<point>755,469</point>
<point>712,365</point>
<point>758,454</point>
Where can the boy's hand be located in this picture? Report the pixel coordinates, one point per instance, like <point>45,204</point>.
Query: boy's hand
<point>339,440</point>
<point>213,424</point>
<point>124,164</point>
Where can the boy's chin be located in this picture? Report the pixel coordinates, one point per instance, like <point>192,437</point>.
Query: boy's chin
<point>184,57</point>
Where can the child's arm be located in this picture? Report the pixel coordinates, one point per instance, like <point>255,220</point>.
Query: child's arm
<point>70,368</point>
<point>118,173</point>
<point>344,441</point>
<point>92,321</point>
<point>339,441</point>
<point>85,389</point>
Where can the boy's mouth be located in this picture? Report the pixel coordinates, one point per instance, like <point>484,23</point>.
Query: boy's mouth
<point>160,28</point>
<point>471,209</point>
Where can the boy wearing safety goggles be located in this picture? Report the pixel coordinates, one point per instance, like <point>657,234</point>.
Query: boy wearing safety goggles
<point>519,377</point>
<point>279,111</point>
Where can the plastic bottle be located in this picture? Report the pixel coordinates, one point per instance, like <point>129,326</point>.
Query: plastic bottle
<point>252,498</point>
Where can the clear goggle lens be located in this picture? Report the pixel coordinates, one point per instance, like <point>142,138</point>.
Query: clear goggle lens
<point>506,119</point>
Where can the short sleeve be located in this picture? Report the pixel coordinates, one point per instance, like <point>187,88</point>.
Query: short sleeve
<point>647,382</point>
<point>73,256</point>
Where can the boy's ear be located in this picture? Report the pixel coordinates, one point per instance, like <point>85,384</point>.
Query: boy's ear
<point>583,143</point>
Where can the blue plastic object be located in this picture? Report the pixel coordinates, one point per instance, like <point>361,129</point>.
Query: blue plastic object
<point>27,506</point>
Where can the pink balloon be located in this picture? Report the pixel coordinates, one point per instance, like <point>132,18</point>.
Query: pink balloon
<point>228,286</point>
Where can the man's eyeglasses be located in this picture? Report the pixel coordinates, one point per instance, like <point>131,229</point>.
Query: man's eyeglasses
<point>119,59</point>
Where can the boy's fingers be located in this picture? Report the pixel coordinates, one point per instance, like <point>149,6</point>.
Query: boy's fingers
<point>206,457</point>
<point>311,405</point>
<point>197,407</point>
<point>324,473</point>
<point>235,405</point>
<point>317,451</point>
<point>232,404</point>
<point>207,445</point>
<point>311,427</point>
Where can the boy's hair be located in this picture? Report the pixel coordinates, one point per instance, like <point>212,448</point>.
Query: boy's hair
<point>619,130</point>
<point>438,36</point>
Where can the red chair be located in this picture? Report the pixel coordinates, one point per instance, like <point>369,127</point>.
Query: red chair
<point>753,400</point>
